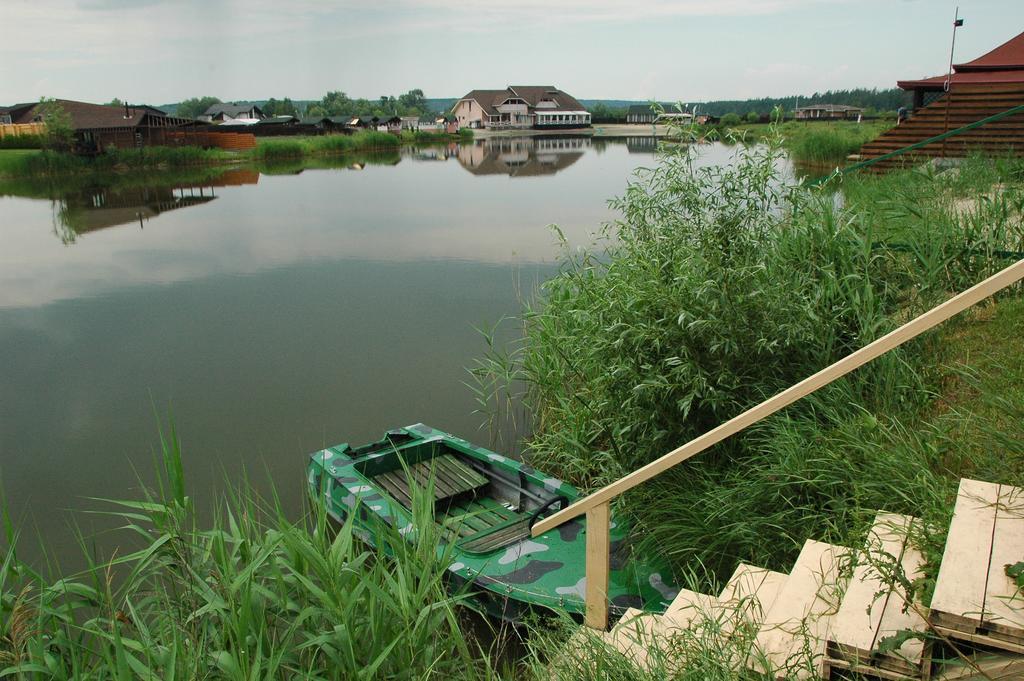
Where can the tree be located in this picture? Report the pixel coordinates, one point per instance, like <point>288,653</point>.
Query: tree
<point>412,103</point>
<point>60,131</point>
<point>753,117</point>
<point>115,102</point>
<point>280,107</point>
<point>334,103</point>
<point>731,119</point>
<point>193,108</point>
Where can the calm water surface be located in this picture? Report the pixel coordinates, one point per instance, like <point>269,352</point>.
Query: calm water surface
<point>271,313</point>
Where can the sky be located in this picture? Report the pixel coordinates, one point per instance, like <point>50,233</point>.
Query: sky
<point>163,51</point>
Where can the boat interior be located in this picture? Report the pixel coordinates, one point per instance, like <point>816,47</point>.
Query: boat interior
<point>479,505</point>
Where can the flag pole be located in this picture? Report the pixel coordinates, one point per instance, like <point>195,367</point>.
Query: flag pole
<point>957,22</point>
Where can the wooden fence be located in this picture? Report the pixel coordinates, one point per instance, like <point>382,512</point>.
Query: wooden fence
<point>19,129</point>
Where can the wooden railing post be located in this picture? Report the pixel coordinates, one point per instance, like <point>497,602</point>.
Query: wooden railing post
<point>598,562</point>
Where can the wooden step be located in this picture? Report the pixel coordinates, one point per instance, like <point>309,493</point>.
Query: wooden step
<point>637,635</point>
<point>983,667</point>
<point>875,604</point>
<point>974,599</point>
<point>643,637</point>
<point>791,640</point>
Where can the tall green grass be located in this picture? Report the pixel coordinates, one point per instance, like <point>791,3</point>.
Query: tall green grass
<point>254,595</point>
<point>828,142</point>
<point>298,147</point>
<point>49,163</point>
<point>718,288</point>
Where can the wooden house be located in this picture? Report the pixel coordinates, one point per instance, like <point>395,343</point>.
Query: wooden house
<point>99,127</point>
<point>988,86</point>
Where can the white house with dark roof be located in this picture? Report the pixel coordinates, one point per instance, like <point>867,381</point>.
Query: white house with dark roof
<point>521,106</point>
<point>828,111</point>
<point>234,114</point>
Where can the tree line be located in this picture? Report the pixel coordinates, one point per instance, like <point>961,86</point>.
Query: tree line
<point>334,103</point>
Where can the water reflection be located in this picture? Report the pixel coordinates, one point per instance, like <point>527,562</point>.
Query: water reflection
<point>522,156</point>
<point>87,209</point>
<point>289,307</point>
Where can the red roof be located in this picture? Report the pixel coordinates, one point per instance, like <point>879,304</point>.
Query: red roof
<point>1009,55</point>
<point>1004,64</point>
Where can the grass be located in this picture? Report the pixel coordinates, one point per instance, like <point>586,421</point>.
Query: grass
<point>818,142</point>
<point>252,596</point>
<point>719,287</point>
<point>15,164</point>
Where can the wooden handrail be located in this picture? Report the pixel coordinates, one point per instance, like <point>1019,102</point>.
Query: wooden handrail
<point>911,329</point>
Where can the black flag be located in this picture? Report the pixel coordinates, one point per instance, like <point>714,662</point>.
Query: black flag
<point>958,22</point>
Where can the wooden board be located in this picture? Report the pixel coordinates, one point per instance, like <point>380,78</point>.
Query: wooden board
<point>1004,603</point>
<point>791,640</point>
<point>959,598</point>
<point>874,607</point>
<point>751,592</point>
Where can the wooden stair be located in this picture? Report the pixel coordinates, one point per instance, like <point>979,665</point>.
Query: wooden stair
<point>840,612</point>
<point>961,106</point>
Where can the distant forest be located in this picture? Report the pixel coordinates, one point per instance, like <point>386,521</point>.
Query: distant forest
<point>415,103</point>
<point>873,99</point>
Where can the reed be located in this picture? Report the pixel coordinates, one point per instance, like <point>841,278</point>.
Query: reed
<point>252,595</point>
<point>719,287</point>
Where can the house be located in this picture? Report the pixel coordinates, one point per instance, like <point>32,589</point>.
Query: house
<point>640,113</point>
<point>367,122</point>
<point>827,111</point>
<point>278,121</point>
<point>990,85</point>
<point>519,107</point>
<point>328,124</point>
<point>98,127</point>
<point>243,114</point>
<point>392,124</point>
<point>1001,67</point>
<point>410,122</point>
<point>449,123</point>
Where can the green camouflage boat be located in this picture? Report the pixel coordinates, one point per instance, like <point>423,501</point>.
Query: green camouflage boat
<point>485,503</point>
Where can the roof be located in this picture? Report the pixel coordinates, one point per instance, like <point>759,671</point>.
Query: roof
<point>1009,55</point>
<point>531,94</point>
<point>1004,64</point>
<point>86,116</point>
<point>641,109</point>
<point>828,107</point>
<point>279,120</point>
<point>233,110</point>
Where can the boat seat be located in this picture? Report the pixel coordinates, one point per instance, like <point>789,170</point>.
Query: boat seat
<point>450,476</point>
<point>484,525</point>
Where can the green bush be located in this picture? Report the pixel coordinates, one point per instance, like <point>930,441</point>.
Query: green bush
<point>731,119</point>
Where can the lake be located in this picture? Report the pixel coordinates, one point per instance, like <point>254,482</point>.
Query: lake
<point>268,312</point>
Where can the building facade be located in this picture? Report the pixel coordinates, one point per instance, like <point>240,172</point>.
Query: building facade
<point>520,107</point>
<point>827,112</point>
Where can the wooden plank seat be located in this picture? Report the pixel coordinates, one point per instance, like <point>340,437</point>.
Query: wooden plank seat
<point>479,523</point>
<point>484,524</point>
<point>450,478</point>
